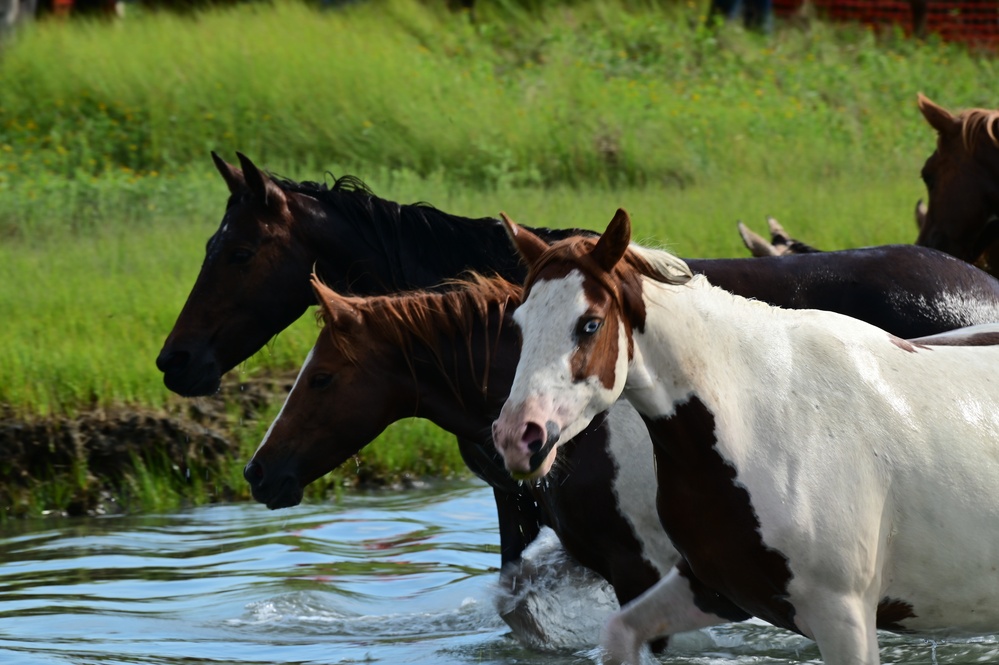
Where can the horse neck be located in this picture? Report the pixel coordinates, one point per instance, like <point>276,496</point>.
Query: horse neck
<point>702,338</point>
<point>369,246</point>
<point>461,380</point>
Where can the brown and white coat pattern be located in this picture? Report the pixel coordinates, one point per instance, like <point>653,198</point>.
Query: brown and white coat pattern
<point>812,472</point>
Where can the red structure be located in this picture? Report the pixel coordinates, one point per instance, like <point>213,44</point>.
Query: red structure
<point>968,21</point>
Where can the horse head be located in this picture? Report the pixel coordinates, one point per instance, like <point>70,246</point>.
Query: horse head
<point>252,284</point>
<point>962,180</point>
<point>583,302</point>
<point>344,397</point>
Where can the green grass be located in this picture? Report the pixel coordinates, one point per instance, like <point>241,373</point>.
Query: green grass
<point>557,116</point>
<point>606,92</point>
<point>90,310</point>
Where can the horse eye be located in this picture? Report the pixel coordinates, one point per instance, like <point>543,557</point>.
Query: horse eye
<point>241,255</point>
<point>590,326</point>
<point>320,381</point>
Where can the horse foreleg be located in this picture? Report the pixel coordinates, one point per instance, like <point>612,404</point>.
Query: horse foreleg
<point>665,609</point>
<point>520,520</point>
<point>843,627</point>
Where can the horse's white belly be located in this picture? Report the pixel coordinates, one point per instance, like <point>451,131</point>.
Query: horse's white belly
<point>943,559</point>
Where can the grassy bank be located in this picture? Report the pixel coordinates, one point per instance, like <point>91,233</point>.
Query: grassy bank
<point>107,194</point>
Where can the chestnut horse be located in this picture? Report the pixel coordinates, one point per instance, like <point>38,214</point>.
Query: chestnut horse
<point>962,179</point>
<point>962,182</point>
<point>813,470</point>
<point>254,282</point>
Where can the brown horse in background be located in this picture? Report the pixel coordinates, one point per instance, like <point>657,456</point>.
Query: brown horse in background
<point>962,179</point>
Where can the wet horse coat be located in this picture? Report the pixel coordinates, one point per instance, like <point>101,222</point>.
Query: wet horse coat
<point>814,471</point>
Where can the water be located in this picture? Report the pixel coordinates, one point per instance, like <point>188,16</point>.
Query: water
<point>376,578</point>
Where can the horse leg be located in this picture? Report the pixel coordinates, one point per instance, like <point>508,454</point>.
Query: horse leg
<point>520,521</point>
<point>665,609</point>
<point>520,518</point>
<point>842,625</point>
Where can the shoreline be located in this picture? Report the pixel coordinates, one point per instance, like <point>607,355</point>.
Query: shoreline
<point>138,459</point>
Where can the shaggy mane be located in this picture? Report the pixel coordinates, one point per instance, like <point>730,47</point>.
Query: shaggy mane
<point>422,318</point>
<point>976,121</point>
<point>652,263</point>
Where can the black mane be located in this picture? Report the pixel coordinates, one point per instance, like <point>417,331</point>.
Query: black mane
<point>418,245</point>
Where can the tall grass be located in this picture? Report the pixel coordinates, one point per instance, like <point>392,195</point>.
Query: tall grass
<point>600,93</point>
<point>86,311</point>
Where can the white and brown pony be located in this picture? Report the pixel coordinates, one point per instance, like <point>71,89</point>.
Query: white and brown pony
<point>813,470</point>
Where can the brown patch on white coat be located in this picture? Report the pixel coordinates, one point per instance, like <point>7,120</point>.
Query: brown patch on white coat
<point>530,451</point>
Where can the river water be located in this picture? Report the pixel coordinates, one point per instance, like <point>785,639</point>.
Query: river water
<point>385,577</point>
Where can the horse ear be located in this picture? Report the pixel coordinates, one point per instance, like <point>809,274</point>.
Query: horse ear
<point>261,185</point>
<point>939,118</point>
<point>528,245</point>
<point>233,177</point>
<point>337,310</point>
<point>614,241</point>
<point>754,242</point>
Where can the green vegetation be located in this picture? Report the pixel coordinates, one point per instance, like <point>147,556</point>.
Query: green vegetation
<point>555,115</point>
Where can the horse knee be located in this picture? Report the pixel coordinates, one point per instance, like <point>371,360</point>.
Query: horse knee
<point>620,643</point>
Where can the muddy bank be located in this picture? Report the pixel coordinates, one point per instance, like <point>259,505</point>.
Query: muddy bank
<point>95,462</point>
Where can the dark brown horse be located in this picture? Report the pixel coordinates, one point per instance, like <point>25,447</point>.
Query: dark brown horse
<point>962,178</point>
<point>254,282</point>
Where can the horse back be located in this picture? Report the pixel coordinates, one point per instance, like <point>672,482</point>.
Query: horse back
<point>907,290</point>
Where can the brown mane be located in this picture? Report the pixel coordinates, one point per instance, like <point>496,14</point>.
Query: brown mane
<point>423,317</point>
<point>624,284</point>
<point>974,122</point>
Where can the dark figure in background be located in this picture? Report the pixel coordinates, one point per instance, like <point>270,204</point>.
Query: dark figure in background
<point>756,14</point>
<point>918,8</point>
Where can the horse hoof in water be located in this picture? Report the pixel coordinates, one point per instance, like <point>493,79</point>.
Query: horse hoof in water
<point>550,602</point>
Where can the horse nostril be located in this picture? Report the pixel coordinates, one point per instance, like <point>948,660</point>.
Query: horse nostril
<point>253,472</point>
<point>172,361</point>
<point>533,437</point>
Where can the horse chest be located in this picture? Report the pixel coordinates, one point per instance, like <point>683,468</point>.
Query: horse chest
<point>710,518</point>
<point>585,508</point>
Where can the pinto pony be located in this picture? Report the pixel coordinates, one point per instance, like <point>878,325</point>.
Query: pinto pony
<point>813,470</point>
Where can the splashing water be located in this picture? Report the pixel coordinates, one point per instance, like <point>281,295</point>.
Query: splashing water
<point>386,577</point>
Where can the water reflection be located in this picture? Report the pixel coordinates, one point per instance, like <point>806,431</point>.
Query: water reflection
<point>383,577</point>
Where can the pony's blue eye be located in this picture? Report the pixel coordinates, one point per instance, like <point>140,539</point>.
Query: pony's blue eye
<point>590,326</point>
